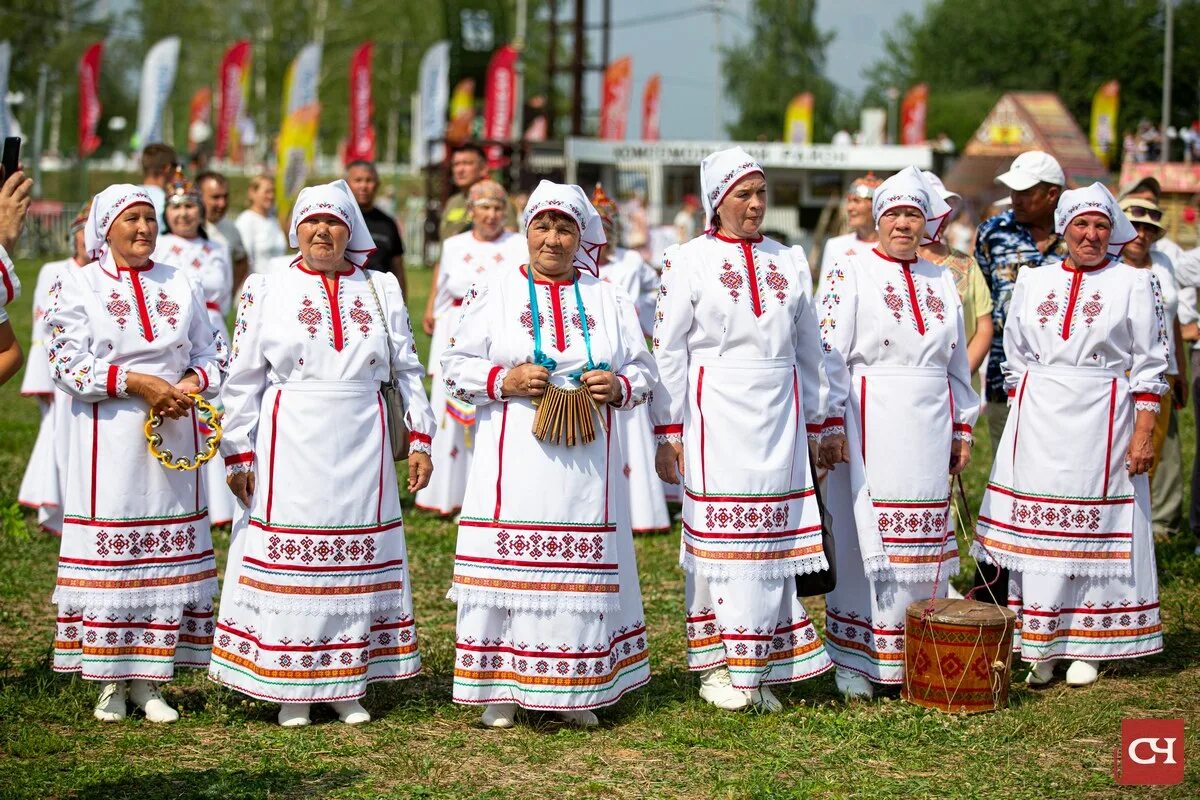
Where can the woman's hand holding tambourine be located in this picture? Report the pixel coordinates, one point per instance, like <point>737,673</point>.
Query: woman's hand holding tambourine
<point>163,399</point>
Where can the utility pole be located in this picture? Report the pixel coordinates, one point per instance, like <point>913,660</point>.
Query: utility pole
<point>552,71</point>
<point>518,131</point>
<point>1168,49</point>
<point>606,36</point>
<point>577,68</point>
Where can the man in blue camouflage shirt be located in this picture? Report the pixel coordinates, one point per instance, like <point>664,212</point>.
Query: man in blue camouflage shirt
<point>1021,237</point>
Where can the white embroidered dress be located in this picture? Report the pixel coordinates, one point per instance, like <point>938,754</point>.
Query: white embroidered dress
<point>464,260</point>
<point>208,264</point>
<point>897,327</point>
<point>1082,349</point>
<point>136,573</point>
<point>41,486</point>
<point>316,601</point>
<point>647,495</point>
<point>549,608</point>
<point>742,382</point>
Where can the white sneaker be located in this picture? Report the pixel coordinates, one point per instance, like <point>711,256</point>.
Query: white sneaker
<point>293,715</point>
<point>852,685</point>
<point>1040,674</point>
<point>763,699</point>
<point>716,686</point>
<point>582,719</point>
<point>111,705</point>
<point>499,715</point>
<point>1082,673</point>
<point>351,712</point>
<point>146,696</point>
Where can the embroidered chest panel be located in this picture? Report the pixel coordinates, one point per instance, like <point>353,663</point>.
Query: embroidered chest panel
<point>150,311</point>
<point>1075,302</point>
<point>558,317</point>
<point>329,313</point>
<point>753,278</point>
<point>913,300</point>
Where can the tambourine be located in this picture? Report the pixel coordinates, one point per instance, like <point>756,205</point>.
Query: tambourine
<point>208,415</point>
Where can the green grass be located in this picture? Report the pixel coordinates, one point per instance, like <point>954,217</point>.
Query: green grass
<point>661,741</point>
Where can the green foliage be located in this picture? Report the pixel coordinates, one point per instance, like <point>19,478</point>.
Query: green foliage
<point>981,47</point>
<point>784,55</point>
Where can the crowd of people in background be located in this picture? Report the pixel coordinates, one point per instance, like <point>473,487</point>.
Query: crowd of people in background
<point>556,433</point>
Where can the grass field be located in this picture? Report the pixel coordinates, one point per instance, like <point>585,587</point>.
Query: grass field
<point>662,741</point>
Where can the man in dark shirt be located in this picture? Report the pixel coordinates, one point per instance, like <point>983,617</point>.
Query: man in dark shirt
<point>389,247</point>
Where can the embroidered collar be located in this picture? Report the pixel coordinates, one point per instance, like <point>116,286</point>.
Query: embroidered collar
<point>108,266</point>
<point>1069,267</point>
<point>886,257</point>
<point>541,282</point>
<point>299,264</point>
<point>731,240</point>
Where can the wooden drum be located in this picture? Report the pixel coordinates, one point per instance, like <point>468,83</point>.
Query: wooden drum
<point>958,658</point>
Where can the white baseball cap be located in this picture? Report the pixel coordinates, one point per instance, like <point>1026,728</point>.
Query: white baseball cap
<point>1031,168</point>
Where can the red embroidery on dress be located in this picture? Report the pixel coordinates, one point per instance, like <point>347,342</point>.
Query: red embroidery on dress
<point>739,517</point>
<point>539,545</point>
<point>591,321</point>
<point>731,280</point>
<point>935,304</point>
<point>1092,308</point>
<point>893,301</point>
<point>527,320</point>
<point>309,316</point>
<point>361,317</point>
<point>1047,308</point>
<point>898,521</point>
<point>168,309</point>
<point>119,308</point>
<point>777,282</point>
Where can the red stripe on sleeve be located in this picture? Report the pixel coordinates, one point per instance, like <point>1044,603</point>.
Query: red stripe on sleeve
<point>491,379</point>
<point>111,383</point>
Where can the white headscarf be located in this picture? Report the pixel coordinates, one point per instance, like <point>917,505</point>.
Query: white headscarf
<point>336,199</point>
<point>106,207</point>
<point>909,187</point>
<point>719,171</point>
<point>571,200</point>
<point>1095,198</point>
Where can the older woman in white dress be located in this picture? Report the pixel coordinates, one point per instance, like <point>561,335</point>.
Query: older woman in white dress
<point>549,609</point>
<point>1067,507</point>
<point>136,571</point>
<point>895,321</point>
<point>629,271</point>
<point>316,602</point>
<point>42,485</point>
<point>743,390</point>
<point>465,258</point>
<point>185,246</point>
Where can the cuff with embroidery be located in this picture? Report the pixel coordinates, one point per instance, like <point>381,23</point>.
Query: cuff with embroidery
<point>814,432</point>
<point>420,443</point>
<point>625,389</point>
<point>495,382</point>
<point>115,382</point>
<point>1146,401</point>
<point>239,462</point>
<point>668,433</point>
<point>202,374</point>
<point>834,426</point>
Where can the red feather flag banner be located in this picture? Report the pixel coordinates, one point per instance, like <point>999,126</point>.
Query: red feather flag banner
<point>360,140</point>
<point>235,80</point>
<point>89,99</point>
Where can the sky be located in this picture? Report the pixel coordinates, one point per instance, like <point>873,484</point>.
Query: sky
<point>683,47</point>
